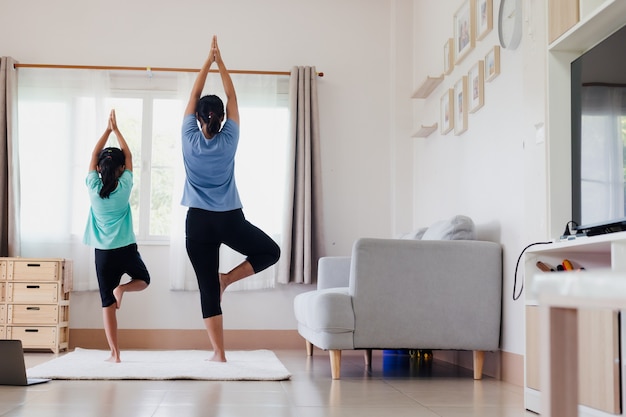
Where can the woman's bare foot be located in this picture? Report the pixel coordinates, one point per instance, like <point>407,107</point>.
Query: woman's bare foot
<point>223,285</point>
<point>241,271</point>
<point>118,293</point>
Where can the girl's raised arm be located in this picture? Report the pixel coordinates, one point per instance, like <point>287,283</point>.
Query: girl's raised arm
<point>128,156</point>
<point>95,154</point>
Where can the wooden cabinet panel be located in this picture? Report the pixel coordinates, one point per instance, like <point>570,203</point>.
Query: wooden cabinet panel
<point>598,357</point>
<point>562,15</point>
<point>37,337</point>
<point>33,314</point>
<point>598,360</point>
<point>33,270</point>
<point>532,347</point>
<point>33,292</point>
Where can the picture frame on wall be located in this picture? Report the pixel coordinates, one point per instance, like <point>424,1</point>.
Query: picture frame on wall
<point>447,111</point>
<point>492,63</point>
<point>476,86</point>
<point>484,18</point>
<point>464,39</point>
<point>448,56</point>
<point>460,106</point>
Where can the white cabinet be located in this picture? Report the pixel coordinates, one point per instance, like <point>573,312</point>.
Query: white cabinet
<point>602,333</point>
<point>601,338</point>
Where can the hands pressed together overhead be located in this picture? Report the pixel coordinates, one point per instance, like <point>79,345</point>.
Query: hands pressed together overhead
<point>214,54</point>
<point>112,121</point>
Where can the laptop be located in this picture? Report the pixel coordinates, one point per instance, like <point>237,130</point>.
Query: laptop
<point>12,367</point>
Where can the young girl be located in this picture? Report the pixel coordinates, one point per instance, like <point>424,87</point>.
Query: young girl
<point>110,229</point>
<point>215,213</point>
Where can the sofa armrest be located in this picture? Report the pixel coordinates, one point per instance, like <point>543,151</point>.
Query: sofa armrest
<point>427,294</point>
<point>333,272</point>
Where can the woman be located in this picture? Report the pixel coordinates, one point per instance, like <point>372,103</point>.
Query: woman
<point>215,214</point>
<point>110,229</point>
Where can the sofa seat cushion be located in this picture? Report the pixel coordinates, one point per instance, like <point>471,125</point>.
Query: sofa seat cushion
<point>328,310</point>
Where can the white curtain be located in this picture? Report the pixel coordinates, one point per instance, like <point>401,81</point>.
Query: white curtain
<point>604,112</point>
<point>61,115</point>
<point>9,161</point>
<point>260,169</point>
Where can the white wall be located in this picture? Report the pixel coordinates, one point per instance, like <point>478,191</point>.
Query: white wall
<point>351,41</point>
<point>495,171</point>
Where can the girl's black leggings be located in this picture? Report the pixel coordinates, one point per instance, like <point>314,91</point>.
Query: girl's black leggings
<point>206,231</point>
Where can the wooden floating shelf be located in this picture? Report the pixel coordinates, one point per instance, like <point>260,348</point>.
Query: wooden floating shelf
<point>427,86</point>
<point>425,131</point>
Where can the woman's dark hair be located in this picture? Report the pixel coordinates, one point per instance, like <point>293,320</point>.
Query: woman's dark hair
<point>210,110</point>
<point>109,162</point>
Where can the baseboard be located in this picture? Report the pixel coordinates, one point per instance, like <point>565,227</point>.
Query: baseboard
<point>187,339</point>
<point>513,368</point>
<point>505,366</point>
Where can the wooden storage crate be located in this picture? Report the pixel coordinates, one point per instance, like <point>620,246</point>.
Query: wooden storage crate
<point>34,314</point>
<point>35,337</point>
<point>33,270</point>
<point>33,292</point>
<point>34,302</point>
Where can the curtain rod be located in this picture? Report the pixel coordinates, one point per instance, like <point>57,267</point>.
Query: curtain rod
<point>96,67</point>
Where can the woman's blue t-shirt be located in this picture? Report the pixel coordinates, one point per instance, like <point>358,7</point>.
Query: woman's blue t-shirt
<point>110,223</point>
<point>210,167</point>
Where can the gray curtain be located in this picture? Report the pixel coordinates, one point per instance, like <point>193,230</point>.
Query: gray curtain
<point>303,230</point>
<point>9,178</point>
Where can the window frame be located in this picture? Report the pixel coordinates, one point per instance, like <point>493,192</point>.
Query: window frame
<point>144,163</point>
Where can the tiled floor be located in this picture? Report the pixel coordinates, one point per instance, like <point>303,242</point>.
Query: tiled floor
<point>394,386</point>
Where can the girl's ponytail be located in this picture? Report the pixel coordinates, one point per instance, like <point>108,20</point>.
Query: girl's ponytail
<point>109,163</point>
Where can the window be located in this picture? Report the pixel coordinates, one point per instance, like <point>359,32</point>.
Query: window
<point>150,123</point>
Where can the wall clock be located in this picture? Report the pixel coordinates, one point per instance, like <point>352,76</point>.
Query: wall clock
<point>510,23</point>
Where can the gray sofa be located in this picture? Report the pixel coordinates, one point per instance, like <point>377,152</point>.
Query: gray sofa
<point>429,291</point>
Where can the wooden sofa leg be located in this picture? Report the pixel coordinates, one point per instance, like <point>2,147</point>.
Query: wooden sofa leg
<point>309,348</point>
<point>335,363</point>
<point>479,360</point>
<point>368,357</point>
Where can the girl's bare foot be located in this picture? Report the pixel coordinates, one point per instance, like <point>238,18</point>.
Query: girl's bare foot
<point>114,359</point>
<point>118,293</point>
<point>218,357</point>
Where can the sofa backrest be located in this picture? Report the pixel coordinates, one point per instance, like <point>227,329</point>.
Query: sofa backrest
<point>426,294</point>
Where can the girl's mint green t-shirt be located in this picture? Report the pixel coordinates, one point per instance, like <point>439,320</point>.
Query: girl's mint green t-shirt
<point>110,223</point>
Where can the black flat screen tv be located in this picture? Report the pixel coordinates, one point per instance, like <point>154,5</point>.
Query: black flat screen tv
<point>598,137</point>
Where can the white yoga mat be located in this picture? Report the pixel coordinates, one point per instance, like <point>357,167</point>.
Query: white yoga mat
<point>256,365</point>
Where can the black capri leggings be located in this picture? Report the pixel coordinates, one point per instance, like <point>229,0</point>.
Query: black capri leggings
<point>111,264</point>
<point>206,231</point>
